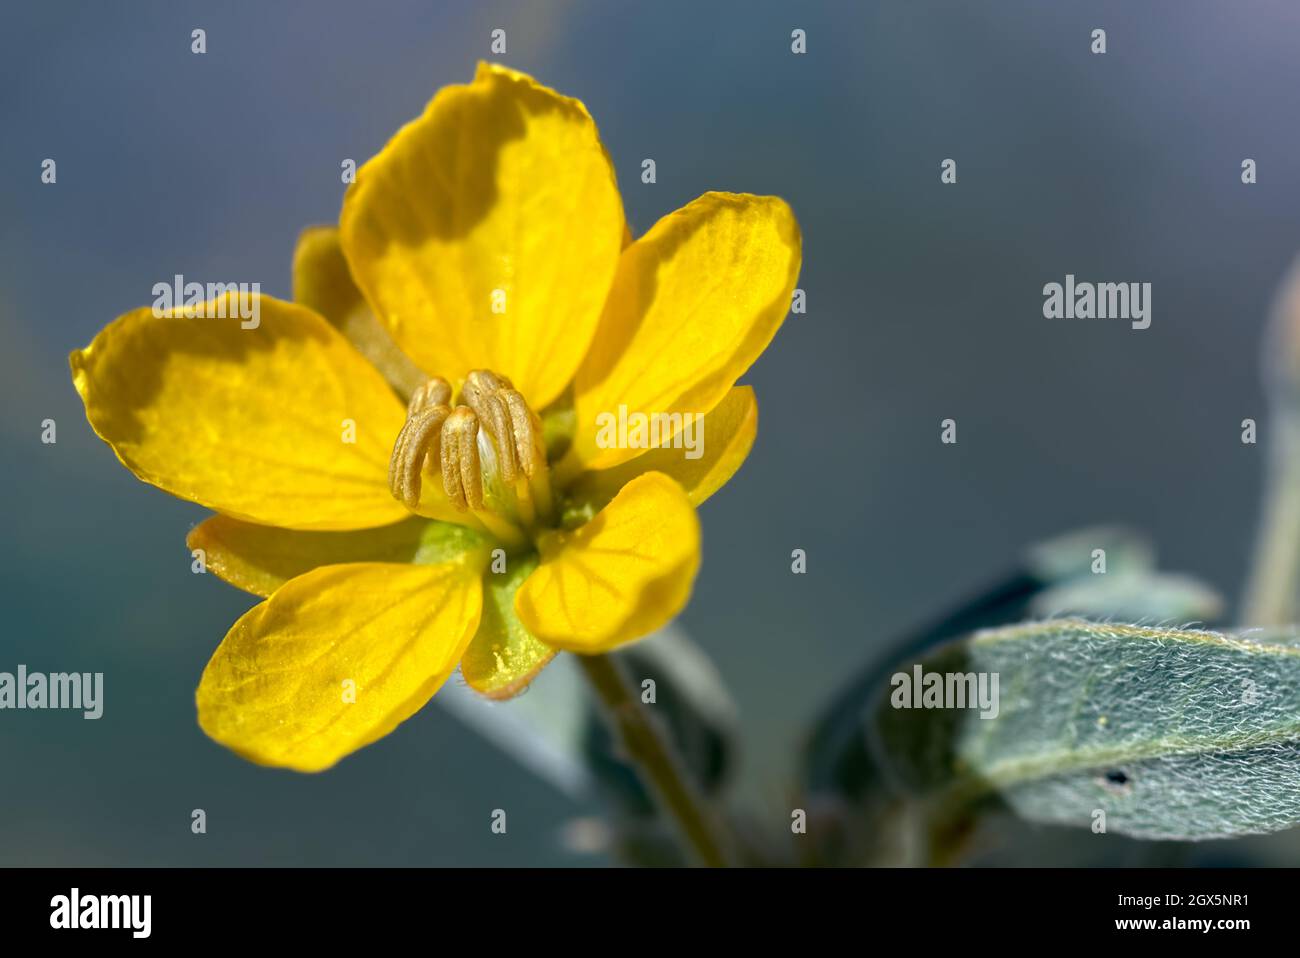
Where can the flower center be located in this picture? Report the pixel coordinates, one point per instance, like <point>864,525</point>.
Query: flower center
<point>488,450</point>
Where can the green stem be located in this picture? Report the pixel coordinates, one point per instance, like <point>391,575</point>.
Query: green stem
<point>643,743</point>
<point>1274,583</point>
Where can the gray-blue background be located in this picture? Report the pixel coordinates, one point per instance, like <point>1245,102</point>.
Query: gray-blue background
<point>924,302</point>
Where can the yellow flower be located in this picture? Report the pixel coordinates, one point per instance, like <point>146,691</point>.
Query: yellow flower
<point>482,270</point>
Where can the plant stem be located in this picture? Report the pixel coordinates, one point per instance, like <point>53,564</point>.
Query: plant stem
<point>1274,583</point>
<point>642,741</point>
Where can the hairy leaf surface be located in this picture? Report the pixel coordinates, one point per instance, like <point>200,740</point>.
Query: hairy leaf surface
<point>1173,734</point>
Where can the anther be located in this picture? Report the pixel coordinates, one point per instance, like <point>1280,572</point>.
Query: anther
<point>489,453</point>
<point>527,431</point>
<point>462,474</point>
<point>505,416</point>
<point>482,393</point>
<point>417,444</point>
<point>432,392</point>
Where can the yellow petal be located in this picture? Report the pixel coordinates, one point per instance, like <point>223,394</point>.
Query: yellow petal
<point>504,656</point>
<point>321,281</point>
<point>500,197</point>
<point>622,575</point>
<point>254,423</point>
<point>724,437</point>
<point>260,559</point>
<point>336,659</point>
<point>694,303</point>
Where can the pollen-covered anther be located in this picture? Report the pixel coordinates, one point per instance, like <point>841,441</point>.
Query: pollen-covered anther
<point>417,445</point>
<point>462,472</point>
<point>507,418</point>
<point>488,450</point>
<point>432,392</point>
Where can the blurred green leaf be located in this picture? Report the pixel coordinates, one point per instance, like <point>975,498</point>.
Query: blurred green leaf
<point>1132,597</point>
<point>1070,556</point>
<point>542,729</point>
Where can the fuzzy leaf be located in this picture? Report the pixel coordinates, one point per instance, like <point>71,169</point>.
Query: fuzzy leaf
<point>1173,734</point>
<point>836,760</point>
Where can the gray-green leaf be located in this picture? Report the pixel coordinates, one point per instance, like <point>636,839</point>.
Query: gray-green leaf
<point>1132,597</point>
<point>1171,734</point>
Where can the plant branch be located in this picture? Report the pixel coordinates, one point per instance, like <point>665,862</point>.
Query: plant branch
<point>1274,582</point>
<point>642,741</point>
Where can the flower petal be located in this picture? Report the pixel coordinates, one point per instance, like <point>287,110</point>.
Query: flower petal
<point>619,577</point>
<point>260,559</point>
<point>322,281</point>
<point>504,656</point>
<point>726,436</point>
<point>694,303</point>
<point>486,233</point>
<point>253,423</point>
<point>277,689</point>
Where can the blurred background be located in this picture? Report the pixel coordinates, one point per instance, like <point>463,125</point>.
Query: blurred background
<point>923,302</point>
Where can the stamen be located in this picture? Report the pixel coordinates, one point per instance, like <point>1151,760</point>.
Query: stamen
<point>417,445</point>
<point>526,429</point>
<point>489,451</point>
<point>539,484</point>
<point>482,393</point>
<point>462,477</point>
<point>524,503</point>
<point>514,427</point>
<point>432,392</point>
